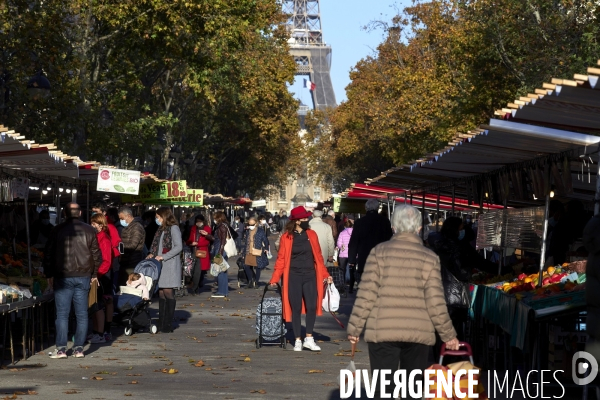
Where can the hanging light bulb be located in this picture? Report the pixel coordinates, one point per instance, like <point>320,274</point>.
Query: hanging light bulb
<point>74,190</point>
<point>44,192</point>
<point>61,190</point>
<point>68,190</point>
<point>48,188</point>
<point>552,193</point>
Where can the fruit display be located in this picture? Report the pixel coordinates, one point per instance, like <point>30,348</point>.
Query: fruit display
<point>556,282</point>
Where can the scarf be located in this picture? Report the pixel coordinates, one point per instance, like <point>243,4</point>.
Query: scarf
<point>167,241</point>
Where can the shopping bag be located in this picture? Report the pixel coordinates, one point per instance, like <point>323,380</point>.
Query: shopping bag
<point>93,305</point>
<point>434,388</point>
<point>331,298</point>
<point>230,247</point>
<point>188,261</point>
<point>351,367</point>
<point>478,389</point>
<point>218,265</point>
<point>336,253</point>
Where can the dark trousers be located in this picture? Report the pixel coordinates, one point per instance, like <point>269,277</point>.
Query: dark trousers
<point>252,273</point>
<point>303,287</point>
<point>197,276</point>
<point>398,355</point>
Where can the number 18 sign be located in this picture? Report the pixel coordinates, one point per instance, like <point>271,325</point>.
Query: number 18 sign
<point>118,181</point>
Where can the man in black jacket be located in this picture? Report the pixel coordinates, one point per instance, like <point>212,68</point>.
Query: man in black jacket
<point>368,232</point>
<point>71,262</point>
<point>283,220</point>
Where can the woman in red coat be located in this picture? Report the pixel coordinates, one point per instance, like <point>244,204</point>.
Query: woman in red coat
<point>200,239</point>
<point>103,317</point>
<point>301,265</point>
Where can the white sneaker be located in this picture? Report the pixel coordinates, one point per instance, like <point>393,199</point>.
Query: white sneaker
<point>298,345</point>
<point>97,339</point>
<point>309,343</point>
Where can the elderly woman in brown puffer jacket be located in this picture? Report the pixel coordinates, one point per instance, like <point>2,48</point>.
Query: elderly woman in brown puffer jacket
<point>401,300</point>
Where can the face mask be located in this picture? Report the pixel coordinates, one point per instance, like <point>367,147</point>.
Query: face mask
<point>94,213</point>
<point>158,222</point>
<point>46,221</point>
<point>251,227</point>
<point>123,222</point>
<point>304,225</point>
<point>552,221</point>
<point>263,222</point>
<point>461,234</point>
<point>199,226</point>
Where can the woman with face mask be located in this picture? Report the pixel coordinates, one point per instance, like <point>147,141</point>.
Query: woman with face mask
<point>300,263</point>
<point>167,247</point>
<point>254,253</point>
<point>200,239</point>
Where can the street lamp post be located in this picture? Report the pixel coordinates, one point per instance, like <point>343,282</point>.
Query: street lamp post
<point>175,153</point>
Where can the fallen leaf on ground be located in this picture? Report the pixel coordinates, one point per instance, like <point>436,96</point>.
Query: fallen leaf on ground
<point>71,392</point>
<point>247,359</point>
<point>261,391</point>
<point>103,373</point>
<point>171,363</point>
<point>128,394</point>
<point>212,335</point>
<point>208,369</point>
<point>134,374</point>
<point>172,371</point>
<point>315,371</point>
<point>243,355</point>
<point>200,363</point>
<point>133,382</point>
<point>97,378</point>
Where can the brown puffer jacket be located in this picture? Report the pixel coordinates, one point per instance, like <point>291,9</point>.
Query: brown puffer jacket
<point>401,297</point>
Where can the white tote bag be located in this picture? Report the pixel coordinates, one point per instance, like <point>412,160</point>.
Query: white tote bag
<point>230,247</point>
<point>331,298</point>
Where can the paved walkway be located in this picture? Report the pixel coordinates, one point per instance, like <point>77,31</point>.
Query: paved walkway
<point>218,334</point>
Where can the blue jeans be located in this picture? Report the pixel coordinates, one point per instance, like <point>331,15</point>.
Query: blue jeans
<point>67,290</point>
<point>223,280</point>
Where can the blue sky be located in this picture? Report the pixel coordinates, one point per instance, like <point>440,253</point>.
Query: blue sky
<point>342,22</point>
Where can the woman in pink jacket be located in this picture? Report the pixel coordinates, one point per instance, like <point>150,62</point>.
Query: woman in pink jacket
<point>342,245</point>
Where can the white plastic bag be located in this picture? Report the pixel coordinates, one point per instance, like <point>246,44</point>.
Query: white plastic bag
<point>331,298</point>
<point>230,247</point>
<point>336,254</point>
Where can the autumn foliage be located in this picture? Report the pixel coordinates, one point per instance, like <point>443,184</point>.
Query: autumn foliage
<point>444,67</point>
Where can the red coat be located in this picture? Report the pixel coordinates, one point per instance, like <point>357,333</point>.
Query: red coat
<point>107,253</point>
<point>203,244</point>
<point>282,269</point>
<point>115,239</point>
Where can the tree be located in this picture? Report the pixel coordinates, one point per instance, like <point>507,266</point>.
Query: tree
<point>444,67</point>
<point>207,76</point>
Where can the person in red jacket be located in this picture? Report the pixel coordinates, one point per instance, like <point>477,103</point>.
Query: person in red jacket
<point>200,239</point>
<point>103,318</point>
<point>300,263</point>
<point>115,239</point>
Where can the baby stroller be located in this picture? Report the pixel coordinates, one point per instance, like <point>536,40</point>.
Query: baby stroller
<point>132,309</point>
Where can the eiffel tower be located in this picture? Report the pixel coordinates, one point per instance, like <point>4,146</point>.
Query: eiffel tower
<point>311,53</point>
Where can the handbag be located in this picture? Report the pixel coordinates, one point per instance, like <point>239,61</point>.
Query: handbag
<point>455,291</point>
<point>201,253</point>
<point>330,303</point>
<point>230,247</point>
<point>254,251</point>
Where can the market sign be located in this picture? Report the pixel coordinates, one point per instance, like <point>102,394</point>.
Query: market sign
<point>259,203</point>
<point>193,198</point>
<point>158,191</point>
<point>337,202</point>
<point>118,181</point>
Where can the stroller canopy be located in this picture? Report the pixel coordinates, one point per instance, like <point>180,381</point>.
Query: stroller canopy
<point>151,268</point>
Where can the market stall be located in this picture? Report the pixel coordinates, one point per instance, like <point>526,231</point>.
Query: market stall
<point>32,177</point>
<point>544,147</point>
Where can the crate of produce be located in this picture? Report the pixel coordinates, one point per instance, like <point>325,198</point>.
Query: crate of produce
<point>562,299</point>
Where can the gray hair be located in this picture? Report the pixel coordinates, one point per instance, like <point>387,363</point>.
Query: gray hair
<point>406,219</point>
<point>317,213</point>
<point>372,205</point>
<point>125,210</point>
<point>331,213</point>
